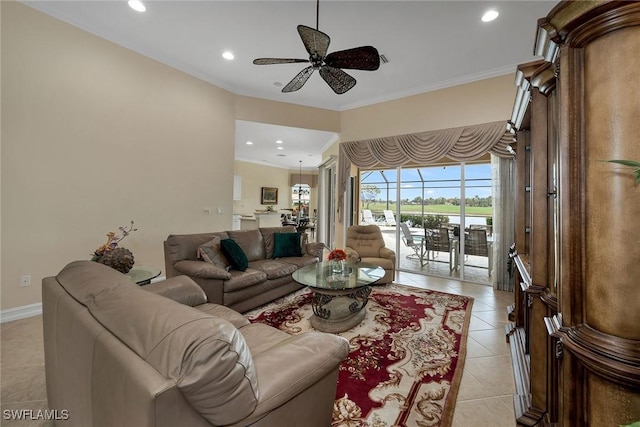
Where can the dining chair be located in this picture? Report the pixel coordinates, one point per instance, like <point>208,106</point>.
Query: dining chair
<point>476,244</point>
<point>438,241</point>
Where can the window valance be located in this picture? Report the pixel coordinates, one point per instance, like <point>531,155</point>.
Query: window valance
<point>461,144</point>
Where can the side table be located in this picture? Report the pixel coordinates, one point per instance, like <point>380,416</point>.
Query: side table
<point>143,275</point>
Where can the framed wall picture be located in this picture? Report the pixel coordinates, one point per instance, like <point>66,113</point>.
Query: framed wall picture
<point>269,196</point>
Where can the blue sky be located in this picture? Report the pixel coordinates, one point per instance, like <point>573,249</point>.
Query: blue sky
<point>440,181</point>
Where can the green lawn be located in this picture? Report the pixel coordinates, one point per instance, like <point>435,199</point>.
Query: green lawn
<point>431,209</point>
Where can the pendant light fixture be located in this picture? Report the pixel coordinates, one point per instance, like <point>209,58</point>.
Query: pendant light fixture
<point>300,194</point>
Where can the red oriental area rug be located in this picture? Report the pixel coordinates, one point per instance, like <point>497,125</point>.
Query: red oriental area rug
<point>406,358</point>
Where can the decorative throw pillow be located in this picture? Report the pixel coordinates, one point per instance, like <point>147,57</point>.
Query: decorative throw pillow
<point>211,252</point>
<point>286,245</point>
<point>234,254</point>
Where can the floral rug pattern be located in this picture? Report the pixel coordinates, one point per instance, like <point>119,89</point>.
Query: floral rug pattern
<point>406,358</point>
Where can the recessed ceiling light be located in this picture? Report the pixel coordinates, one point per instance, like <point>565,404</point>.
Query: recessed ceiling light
<point>280,148</point>
<point>278,142</point>
<point>228,55</point>
<point>249,143</point>
<point>490,15</point>
<point>137,5</point>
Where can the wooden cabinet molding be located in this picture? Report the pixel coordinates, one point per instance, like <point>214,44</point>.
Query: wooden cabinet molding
<point>614,358</point>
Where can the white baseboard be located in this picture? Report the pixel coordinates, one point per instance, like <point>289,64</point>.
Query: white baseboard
<point>23,312</point>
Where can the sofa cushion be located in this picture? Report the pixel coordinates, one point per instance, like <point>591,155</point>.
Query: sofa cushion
<point>201,270</point>
<point>299,261</point>
<point>274,269</point>
<point>244,279</point>
<point>231,316</point>
<point>286,245</point>
<point>260,337</point>
<point>234,254</point>
<point>267,236</point>
<point>212,253</point>
<point>206,356</point>
<point>251,243</point>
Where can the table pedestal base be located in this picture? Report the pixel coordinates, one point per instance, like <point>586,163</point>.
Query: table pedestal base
<point>338,310</point>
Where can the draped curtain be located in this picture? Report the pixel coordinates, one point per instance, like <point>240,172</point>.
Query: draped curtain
<point>460,144</point>
<point>504,195</point>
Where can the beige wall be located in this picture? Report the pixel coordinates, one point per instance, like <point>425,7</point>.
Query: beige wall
<point>469,104</point>
<point>94,136</point>
<point>283,114</point>
<point>254,177</point>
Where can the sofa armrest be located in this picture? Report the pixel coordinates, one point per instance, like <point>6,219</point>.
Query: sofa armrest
<point>180,289</point>
<point>388,254</point>
<point>315,249</point>
<point>287,369</point>
<point>201,269</point>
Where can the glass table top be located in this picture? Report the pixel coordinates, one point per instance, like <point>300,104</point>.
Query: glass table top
<point>321,276</point>
<point>143,275</point>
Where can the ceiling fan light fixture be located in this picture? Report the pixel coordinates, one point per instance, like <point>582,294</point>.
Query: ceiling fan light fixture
<point>329,65</point>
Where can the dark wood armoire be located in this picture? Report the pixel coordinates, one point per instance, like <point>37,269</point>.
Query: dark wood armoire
<point>575,337</point>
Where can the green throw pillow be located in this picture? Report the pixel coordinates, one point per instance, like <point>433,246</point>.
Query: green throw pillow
<point>234,254</point>
<point>286,245</point>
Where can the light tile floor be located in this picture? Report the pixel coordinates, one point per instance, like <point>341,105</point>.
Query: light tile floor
<point>484,399</point>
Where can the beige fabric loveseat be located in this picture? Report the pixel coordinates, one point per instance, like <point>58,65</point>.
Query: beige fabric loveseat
<point>265,280</point>
<point>117,354</point>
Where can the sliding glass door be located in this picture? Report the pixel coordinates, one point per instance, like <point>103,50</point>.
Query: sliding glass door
<point>437,212</point>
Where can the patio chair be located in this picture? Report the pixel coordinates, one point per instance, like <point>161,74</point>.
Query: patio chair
<point>390,218</point>
<point>368,217</point>
<point>438,241</point>
<point>415,242</point>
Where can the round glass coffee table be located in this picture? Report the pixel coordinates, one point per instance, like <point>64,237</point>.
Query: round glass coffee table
<point>338,300</point>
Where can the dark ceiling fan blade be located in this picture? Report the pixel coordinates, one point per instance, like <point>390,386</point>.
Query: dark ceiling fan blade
<point>270,61</point>
<point>314,41</point>
<point>337,79</point>
<point>299,80</point>
<point>358,58</point>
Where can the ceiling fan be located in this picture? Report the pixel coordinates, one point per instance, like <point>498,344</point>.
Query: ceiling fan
<point>330,66</point>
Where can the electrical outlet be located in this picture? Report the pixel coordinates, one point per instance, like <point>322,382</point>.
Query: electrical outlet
<point>206,211</point>
<point>25,280</point>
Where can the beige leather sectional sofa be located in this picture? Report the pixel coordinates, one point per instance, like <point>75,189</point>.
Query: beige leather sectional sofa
<point>117,354</point>
<point>265,280</point>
